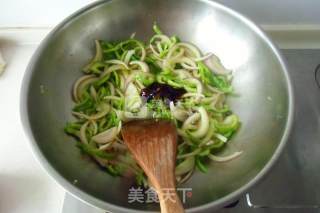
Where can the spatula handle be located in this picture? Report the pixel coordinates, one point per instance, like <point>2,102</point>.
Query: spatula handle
<point>170,203</point>
<point>154,146</point>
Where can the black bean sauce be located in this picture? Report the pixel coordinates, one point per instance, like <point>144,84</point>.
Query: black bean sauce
<point>162,91</point>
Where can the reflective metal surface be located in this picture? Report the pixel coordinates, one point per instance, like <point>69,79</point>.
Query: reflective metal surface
<point>293,185</point>
<point>264,103</point>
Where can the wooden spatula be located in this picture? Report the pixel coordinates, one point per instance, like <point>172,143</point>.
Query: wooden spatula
<point>154,146</point>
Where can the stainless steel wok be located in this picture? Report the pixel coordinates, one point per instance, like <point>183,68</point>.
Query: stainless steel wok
<point>264,101</point>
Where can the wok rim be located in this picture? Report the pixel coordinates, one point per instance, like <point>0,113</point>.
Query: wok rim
<point>93,201</point>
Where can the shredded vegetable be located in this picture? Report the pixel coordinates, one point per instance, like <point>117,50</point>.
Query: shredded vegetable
<point>110,94</point>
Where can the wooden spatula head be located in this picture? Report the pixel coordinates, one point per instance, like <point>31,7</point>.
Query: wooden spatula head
<point>154,146</point>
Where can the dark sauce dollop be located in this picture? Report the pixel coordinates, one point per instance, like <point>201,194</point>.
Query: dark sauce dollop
<point>162,91</point>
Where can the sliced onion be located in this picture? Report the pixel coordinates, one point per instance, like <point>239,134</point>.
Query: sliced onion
<point>132,98</point>
<point>166,64</point>
<point>207,100</point>
<point>172,58</point>
<point>154,52</point>
<point>129,79</point>
<point>192,127</point>
<point>218,101</point>
<point>112,97</point>
<point>97,57</point>
<point>93,92</point>
<point>116,61</point>
<point>119,93</point>
<point>191,49</point>
<point>83,130</point>
<point>186,177</point>
<point>207,138</point>
<point>185,166</point>
<point>186,63</point>
<point>186,66</point>
<point>144,67</point>
<point>197,83</point>
<point>190,120</point>
<point>128,116</point>
<point>182,73</point>
<point>210,142</point>
<point>221,137</point>
<point>120,114</point>
<point>178,55</point>
<point>95,126</point>
<point>213,89</point>
<point>142,114</point>
<point>203,125</point>
<point>216,66</point>
<point>159,46</point>
<point>178,113</point>
<point>172,50</point>
<point>143,51</point>
<point>139,85</point>
<point>110,69</point>
<point>205,57</point>
<point>119,126</point>
<point>106,136</point>
<point>122,82</point>
<point>80,84</point>
<point>162,38</point>
<point>111,87</point>
<point>224,158</point>
<point>192,94</point>
<point>182,133</point>
<point>103,112</point>
<point>195,152</point>
<point>106,146</point>
<point>129,54</point>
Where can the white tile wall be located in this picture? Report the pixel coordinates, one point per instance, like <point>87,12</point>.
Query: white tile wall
<point>37,13</point>
<point>278,12</point>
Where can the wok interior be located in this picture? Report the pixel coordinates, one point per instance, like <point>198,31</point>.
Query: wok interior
<point>262,102</point>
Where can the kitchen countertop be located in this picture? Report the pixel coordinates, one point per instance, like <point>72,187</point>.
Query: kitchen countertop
<point>24,185</point>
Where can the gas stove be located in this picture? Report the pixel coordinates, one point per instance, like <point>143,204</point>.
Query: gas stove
<point>293,185</point>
